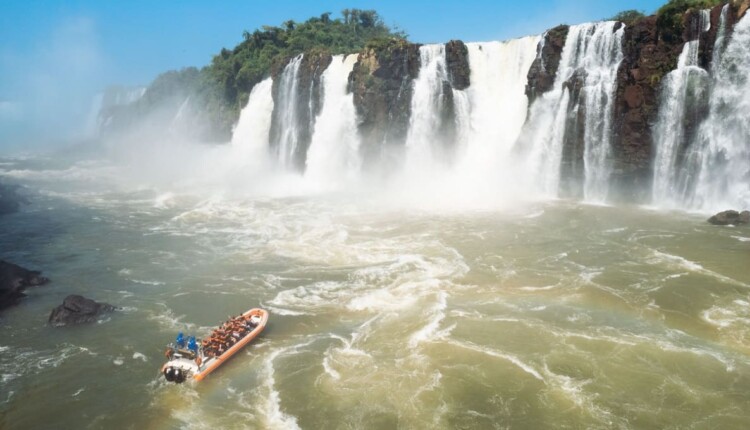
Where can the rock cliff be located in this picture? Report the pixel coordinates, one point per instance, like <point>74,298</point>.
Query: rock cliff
<point>382,86</point>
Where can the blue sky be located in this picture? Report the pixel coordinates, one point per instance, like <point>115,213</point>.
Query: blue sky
<point>54,55</point>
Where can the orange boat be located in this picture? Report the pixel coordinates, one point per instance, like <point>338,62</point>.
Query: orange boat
<point>186,359</point>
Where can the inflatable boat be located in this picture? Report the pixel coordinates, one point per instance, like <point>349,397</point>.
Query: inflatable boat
<point>186,358</point>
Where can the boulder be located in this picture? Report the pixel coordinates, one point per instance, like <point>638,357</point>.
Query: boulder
<point>10,200</point>
<point>14,280</point>
<point>730,217</point>
<point>77,309</point>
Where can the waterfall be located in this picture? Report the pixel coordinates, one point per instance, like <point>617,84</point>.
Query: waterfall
<point>683,91</point>
<point>602,54</point>
<point>334,150</point>
<point>250,136</point>
<point>424,140</point>
<point>460,142</point>
<point>723,149</point>
<point>288,123</point>
<point>497,98</point>
<point>584,88</point>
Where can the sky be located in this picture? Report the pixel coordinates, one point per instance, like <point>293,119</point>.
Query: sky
<point>56,55</point>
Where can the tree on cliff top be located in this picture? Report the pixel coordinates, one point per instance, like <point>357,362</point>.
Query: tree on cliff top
<point>236,71</point>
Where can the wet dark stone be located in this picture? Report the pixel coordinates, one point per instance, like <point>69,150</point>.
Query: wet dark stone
<point>77,309</point>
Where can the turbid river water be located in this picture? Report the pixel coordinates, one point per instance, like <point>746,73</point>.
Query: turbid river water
<point>539,315</point>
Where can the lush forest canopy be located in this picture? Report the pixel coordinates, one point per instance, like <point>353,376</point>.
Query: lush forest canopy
<point>222,87</point>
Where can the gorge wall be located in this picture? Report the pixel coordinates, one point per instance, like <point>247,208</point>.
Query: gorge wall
<point>604,112</point>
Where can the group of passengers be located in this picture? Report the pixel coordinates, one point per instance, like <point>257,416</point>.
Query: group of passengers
<point>226,336</point>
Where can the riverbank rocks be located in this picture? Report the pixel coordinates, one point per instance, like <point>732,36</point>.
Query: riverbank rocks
<point>77,309</point>
<point>14,280</point>
<point>10,200</point>
<point>730,217</point>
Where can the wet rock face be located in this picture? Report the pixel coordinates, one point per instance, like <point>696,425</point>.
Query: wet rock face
<point>78,310</point>
<point>457,59</point>
<point>309,103</point>
<point>14,280</point>
<point>730,217</point>
<point>647,59</point>
<point>381,83</point>
<point>542,73</point>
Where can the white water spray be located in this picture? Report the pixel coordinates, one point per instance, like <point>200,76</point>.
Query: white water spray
<point>723,151</point>
<point>250,137</point>
<point>333,158</point>
<point>288,100</point>
<point>682,88</point>
<point>595,51</point>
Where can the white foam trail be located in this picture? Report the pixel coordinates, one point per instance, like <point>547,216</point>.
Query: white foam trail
<point>497,354</point>
<point>683,263</point>
<point>275,418</point>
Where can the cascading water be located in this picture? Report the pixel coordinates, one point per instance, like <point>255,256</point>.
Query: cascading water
<point>334,151</point>
<point>723,150</point>
<point>472,161</point>
<point>588,66</point>
<point>250,137</point>
<point>684,89</point>
<point>288,139</point>
<point>498,103</point>
<point>602,54</point>
<point>424,139</point>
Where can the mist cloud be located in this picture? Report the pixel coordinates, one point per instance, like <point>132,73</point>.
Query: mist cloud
<point>49,88</point>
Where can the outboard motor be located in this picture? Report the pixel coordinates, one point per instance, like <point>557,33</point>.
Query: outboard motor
<point>175,374</point>
<point>179,376</point>
<point>169,374</point>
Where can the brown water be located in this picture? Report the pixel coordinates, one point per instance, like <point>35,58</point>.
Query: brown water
<point>547,315</point>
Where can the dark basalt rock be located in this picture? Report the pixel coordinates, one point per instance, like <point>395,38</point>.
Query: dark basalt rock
<point>381,83</point>
<point>457,60</point>
<point>730,217</point>
<point>542,72</point>
<point>646,59</point>
<point>10,200</point>
<point>78,310</point>
<point>14,280</point>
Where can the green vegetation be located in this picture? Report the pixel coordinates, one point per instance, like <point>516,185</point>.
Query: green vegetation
<point>669,17</point>
<point>236,71</point>
<point>628,17</point>
<point>223,87</point>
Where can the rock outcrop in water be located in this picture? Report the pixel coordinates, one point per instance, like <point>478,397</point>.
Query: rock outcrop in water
<point>14,280</point>
<point>382,85</point>
<point>730,217</point>
<point>77,309</point>
<point>10,200</point>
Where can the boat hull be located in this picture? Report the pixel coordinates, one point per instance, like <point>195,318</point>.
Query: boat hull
<point>199,371</point>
